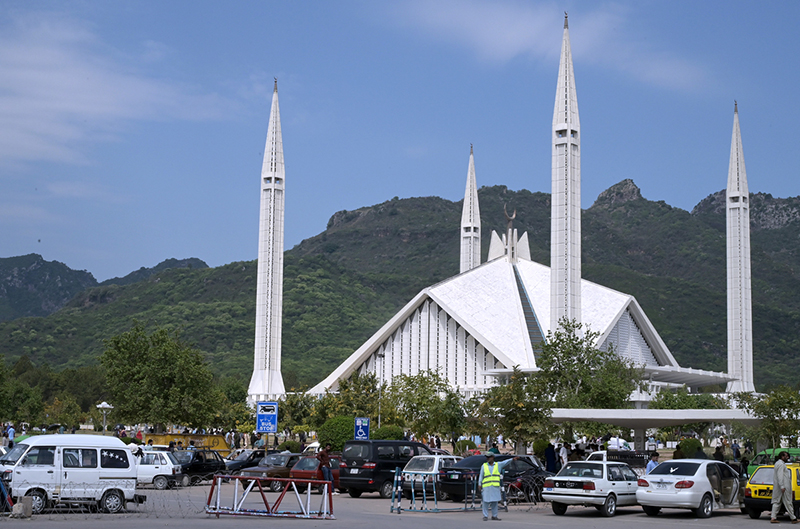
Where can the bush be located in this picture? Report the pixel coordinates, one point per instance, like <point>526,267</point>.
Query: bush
<point>336,431</point>
<point>690,446</point>
<point>464,445</point>
<point>389,433</point>
<point>539,447</point>
<point>292,446</point>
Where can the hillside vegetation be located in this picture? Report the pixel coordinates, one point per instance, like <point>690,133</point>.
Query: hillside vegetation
<point>343,284</point>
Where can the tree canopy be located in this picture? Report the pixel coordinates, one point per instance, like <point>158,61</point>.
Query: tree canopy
<point>158,378</point>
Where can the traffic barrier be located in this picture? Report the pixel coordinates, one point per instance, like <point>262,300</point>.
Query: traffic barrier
<point>215,506</point>
<point>471,496</point>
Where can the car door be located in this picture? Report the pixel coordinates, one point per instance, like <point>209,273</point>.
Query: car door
<point>730,485</point>
<point>632,480</point>
<point>617,481</point>
<point>80,473</point>
<point>38,468</point>
<point>386,462</point>
<point>147,468</point>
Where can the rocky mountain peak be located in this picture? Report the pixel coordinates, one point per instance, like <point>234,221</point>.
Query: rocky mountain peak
<point>618,194</point>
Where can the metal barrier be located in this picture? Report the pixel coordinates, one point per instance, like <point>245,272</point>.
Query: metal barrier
<point>237,508</point>
<point>472,500</point>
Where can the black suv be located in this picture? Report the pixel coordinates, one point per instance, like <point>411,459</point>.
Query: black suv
<point>199,465</point>
<point>369,466</point>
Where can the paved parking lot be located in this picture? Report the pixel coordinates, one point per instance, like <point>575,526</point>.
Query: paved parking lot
<point>183,508</point>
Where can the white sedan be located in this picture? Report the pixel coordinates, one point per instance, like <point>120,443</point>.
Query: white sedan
<point>602,484</point>
<point>702,485</point>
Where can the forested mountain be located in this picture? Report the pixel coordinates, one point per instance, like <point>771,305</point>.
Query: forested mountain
<point>343,284</point>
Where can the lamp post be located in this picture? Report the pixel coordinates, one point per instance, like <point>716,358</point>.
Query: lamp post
<point>380,386</point>
<point>105,407</point>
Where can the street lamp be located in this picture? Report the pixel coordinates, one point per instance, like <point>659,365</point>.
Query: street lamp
<point>380,386</point>
<point>105,407</point>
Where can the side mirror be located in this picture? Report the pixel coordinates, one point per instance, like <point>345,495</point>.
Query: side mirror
<point>24,461</point>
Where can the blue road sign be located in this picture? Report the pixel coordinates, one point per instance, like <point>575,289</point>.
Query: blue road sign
<point>361,430</point>
<point>267,417</point>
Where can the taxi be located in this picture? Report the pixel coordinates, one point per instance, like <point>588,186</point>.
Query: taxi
<point>758,492</point>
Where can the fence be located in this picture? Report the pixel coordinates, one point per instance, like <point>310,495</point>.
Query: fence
<point>237,507</point>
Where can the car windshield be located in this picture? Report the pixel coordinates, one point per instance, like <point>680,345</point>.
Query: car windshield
<point>243,456</point>
<point>671,468</point>
<point>762,476</point>
<point>171,458</point>
<point>307,463</point>
<point>275,460</point>
<point>421,464</point>
<point>584,470</point>
<point>14,454</point>
<point>183,456</point>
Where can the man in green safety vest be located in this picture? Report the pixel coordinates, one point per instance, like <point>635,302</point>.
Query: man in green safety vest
<point>490,481</point>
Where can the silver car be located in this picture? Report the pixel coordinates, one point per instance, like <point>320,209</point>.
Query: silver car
<point>701,485</point>
<point>601,484</point>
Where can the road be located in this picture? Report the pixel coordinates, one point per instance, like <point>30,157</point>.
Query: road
<point>184,508</point>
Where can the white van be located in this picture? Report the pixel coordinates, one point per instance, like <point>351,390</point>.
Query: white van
<point>72,469</point>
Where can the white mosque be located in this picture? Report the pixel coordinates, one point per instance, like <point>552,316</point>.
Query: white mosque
<point>494,316</point>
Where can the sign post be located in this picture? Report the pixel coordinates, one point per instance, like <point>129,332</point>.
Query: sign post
<point>267,417</point>
<point>361,429</point>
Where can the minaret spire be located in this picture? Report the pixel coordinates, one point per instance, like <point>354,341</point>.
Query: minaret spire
<point>740,312</point>
<point>267,381</point>
<point>470,221</point>
<point>565,222</point>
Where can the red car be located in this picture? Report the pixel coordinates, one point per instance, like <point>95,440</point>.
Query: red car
<point>308,468</point>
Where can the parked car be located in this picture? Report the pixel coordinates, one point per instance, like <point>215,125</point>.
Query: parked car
<point>72,469</point>
<point>159,469</point>
<point>768,457</point>
<point>758,491</point>
<point>199,465</point>
<point>698,484</point>
<point>601,484</point>
<point>425,471</point>
<point>371,465</point>
<point>272,466</point>
<point>246,459</point>
<point>308,468</point>
<point>456,481</point>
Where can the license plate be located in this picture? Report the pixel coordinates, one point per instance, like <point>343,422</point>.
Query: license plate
<point>548,489</point>
<point>661,485</point>
<point>452,476</point>
<point>354,471</point>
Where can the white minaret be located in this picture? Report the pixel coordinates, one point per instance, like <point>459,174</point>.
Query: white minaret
<point>565,222</point>
<point>470,221</point>
<point>267,381</point>
<point>740,311</point>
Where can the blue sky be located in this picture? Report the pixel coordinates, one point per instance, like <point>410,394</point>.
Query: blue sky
<point>132,132</point>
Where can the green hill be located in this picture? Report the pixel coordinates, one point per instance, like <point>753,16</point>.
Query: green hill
<point>343,284</point>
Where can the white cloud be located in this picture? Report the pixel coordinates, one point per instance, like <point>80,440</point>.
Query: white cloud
<point>62,88</point>
<point>499,31</point>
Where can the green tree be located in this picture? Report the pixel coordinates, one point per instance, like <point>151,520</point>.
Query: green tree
<point>574,373</point>
<point>158,378</point>
<point>336,431</point>
<point>428,403</point>
<point>64,410</point>
<point>779,411</point>
<point>294,409</point>
<point>517,409</point>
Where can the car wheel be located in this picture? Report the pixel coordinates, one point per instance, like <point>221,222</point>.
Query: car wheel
<point>38,502</point>
<point>559,508</point>
<point>649,510</point>
<point>386,489</point>
<point>755,514</point>
<point>276,486</point>
<point>185,481</point>
<point>609,506</point>
<point>354,493</point>
<point>160,482</point>
<point>112,502</point>
<point>705,508</point>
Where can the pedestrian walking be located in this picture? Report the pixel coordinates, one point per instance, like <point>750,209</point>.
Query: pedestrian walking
<point>782,489</point>
<point>490,481</point>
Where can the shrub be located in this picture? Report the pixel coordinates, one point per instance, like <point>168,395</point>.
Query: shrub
<point>464,445</point>
<point>336,431</point>
<point>690,446</point>
<point>292,446</point>
<point>539,447</point>
<point>388,433</point>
